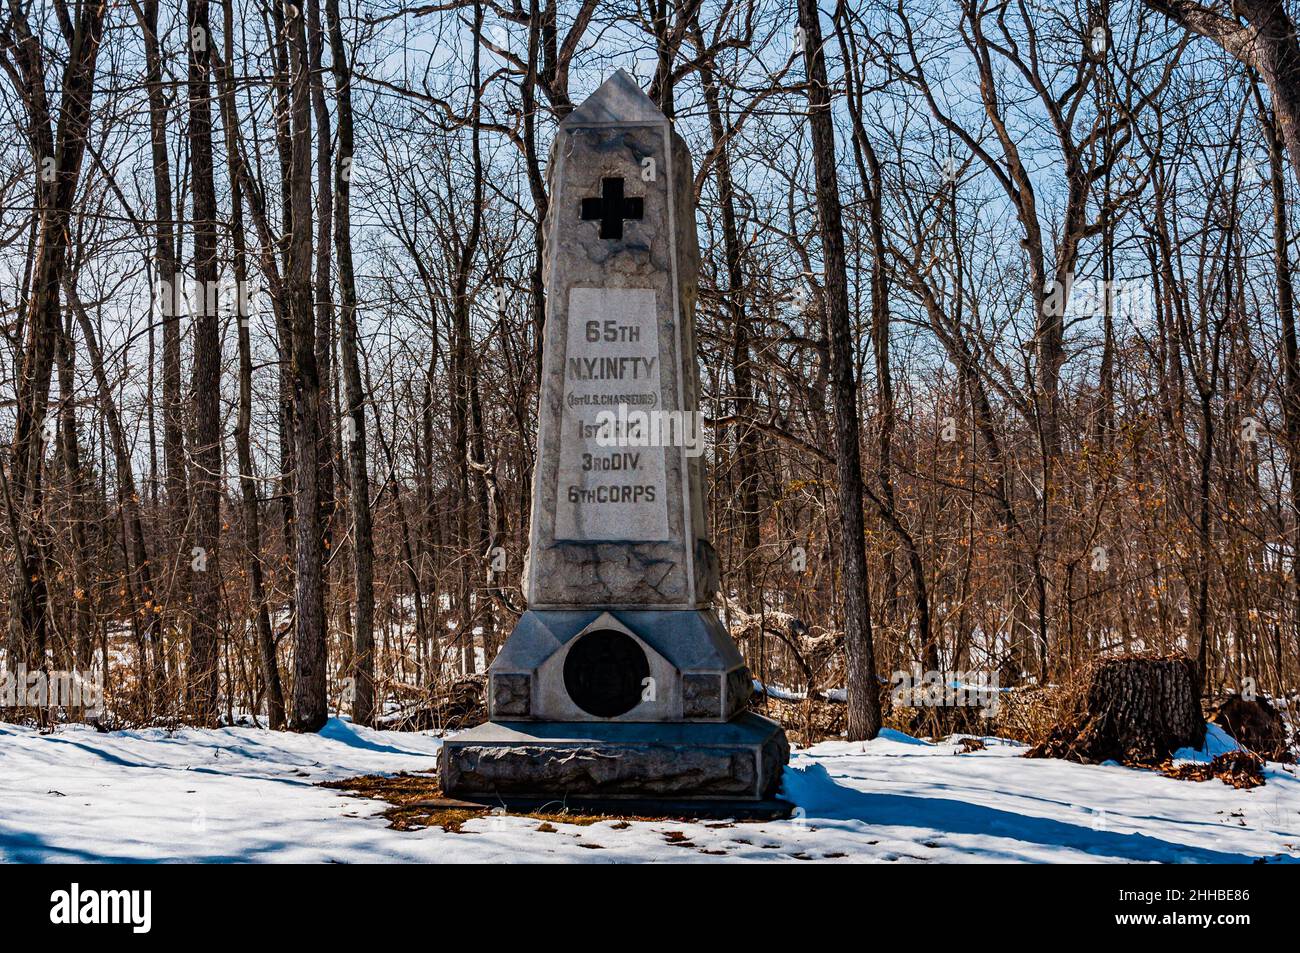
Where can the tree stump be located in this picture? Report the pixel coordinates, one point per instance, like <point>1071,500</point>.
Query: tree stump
<point>1255,725</point>
<point>1134,709</point>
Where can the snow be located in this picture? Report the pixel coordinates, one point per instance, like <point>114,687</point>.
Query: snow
<point>782,693</point>
<point>246,794</point>
<point>1217,742</point>
<point>779,692</point>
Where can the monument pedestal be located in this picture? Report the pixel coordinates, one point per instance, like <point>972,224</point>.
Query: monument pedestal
<point>579,763</point>
<point>670,690</point>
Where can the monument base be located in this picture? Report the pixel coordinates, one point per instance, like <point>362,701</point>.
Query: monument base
<point>578,762</point>
<point>771,809</point>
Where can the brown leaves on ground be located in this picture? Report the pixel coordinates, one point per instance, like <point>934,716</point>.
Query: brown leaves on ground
<point>1239,769</point>
<point>417,802</point>
<point>678,839</point>
<point>414,798</point>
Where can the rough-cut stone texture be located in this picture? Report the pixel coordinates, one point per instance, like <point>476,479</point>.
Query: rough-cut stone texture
<point>740,759</point>
<point>701,695</point>
<point>510,696</point>
<point>641,770</point>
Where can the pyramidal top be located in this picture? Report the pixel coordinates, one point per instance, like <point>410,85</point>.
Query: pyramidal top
<point>618,100</point>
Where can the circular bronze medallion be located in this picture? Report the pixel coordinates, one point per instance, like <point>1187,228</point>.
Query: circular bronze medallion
<point>604,671</point>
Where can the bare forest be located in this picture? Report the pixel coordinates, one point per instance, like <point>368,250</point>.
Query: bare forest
<point>996,323</point>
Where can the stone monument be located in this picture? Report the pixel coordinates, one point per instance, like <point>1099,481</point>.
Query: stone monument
<point>619,682</point>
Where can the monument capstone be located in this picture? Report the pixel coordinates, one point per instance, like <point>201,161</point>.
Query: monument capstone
<point>619,681</point>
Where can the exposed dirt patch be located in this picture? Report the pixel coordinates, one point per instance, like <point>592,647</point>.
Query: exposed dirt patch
<point>417,802</point>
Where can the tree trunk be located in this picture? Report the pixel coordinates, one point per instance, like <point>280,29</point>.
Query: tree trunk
<point>205,451</point>
<point>363,546</point>
<point>464,383</point>
<point>167,298</point>
<point>1290,358</point>
<point>58,155</point>
<point>1266,43</point>
<point>283,304</point>
<point>873,179</point>
<point>323,299</point>
<point>310,710</point>
<point>248,482</point>
<point>70,448</point>
<point>863,690</point>
<point>744,434</point>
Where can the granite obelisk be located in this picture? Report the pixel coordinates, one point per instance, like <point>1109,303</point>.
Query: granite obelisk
<point>619,681</point>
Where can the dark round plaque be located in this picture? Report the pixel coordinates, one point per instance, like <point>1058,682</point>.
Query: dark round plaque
<point>604,671</point>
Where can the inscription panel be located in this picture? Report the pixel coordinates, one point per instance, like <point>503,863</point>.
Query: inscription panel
<point>619,490</point>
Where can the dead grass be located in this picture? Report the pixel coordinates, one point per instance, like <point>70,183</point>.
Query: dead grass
<point>401,789</point>
<point>806,721</point>
<point>1027,715</point>
<point>938,721</point>
<point>1024,714</point>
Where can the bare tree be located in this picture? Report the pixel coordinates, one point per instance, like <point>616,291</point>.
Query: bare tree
<point>310,705</point>
<point>863,691</point>
<point>57,149</point>
<point>363,659</point>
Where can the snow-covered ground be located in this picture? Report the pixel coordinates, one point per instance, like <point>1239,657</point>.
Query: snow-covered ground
<point>244,794</point>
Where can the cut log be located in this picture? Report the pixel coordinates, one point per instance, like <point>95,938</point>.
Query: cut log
<point>1134,709</point>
